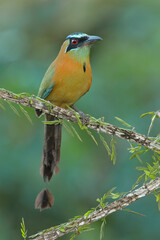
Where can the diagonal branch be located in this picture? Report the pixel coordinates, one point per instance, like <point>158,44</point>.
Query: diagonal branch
<point>73,225</point>
<point>90,122</point>
<point>99,126</point>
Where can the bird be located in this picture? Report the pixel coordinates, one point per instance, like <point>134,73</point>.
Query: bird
<point>67,79</point>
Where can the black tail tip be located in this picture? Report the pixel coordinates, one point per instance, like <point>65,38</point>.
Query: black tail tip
<point>44,200</point>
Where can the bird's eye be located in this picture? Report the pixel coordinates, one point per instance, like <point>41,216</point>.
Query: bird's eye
<point>74,41</point>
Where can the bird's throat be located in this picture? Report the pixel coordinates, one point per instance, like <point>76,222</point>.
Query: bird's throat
<point>80,54</point>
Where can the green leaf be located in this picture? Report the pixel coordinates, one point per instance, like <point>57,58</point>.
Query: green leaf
<point>70,226</point>
<point>76,133</point>
<point>91,135</point>
<point>158,200</point>
<point>62,230</point>
<point>159,205</point>
<point>113,154</point>
<point>23,229</point>
<point>152,119</point>
<point>102,228</point>
<point>14,109</point>
<point>133,212</point>
<point>2,106</point>
<point>138,180</point>
<point>24,94</point>
<point>59,121</point>
<point>146,178</point>
<point>133,149</point>
<point>105,144</point>
<point>147,172</point>
<point>157,139</point>
<point>88,213</point>
<point>84,228</point>
<point>115,195</point>
<point>133,156</point>
<point>123,122</point>
<point>68,128</point>
<point>137,156</point>
<point>151,124</point>
<point>26,114</point>
<point>141,168</point>
<point>146,114</point>
<point>72,237</point>
<point>109,192</point>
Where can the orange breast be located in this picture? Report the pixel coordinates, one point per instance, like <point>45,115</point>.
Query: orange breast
<point>72,81</point>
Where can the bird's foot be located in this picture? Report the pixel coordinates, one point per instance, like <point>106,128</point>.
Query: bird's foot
<point>82,115</point>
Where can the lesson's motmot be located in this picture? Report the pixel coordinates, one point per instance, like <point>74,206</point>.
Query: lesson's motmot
<point>67,79</point>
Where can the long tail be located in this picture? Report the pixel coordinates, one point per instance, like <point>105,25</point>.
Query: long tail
<point>50,159</point>
<point>51,148</point>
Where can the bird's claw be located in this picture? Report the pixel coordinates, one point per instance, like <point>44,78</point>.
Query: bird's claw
<point>82,115</point>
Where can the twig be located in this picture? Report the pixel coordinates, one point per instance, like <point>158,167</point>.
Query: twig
<point>73,225</point>
<point>90,122</point>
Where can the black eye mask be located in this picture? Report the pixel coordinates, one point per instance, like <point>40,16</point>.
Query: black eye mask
<point>80,43</point>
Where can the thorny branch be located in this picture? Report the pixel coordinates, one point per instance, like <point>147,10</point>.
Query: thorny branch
<point>90,122</point>
<point>71,226</point>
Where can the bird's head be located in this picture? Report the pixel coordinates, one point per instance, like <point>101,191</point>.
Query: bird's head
<point>77,45</point>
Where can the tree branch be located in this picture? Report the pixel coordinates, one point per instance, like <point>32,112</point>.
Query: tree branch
<point>73,225</point>
<point>90,122</point>
<point>99,126</point>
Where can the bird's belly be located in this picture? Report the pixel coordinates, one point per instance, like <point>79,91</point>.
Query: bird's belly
<point>69,89</point>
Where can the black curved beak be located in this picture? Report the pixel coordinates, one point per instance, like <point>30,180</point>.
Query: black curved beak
<point>92,39</point>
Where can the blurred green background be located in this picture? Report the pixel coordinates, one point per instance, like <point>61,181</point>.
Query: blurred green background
<point>126,84</point>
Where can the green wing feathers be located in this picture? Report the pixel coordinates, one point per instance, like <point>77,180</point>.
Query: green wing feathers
<point>46,86</point>
<point>47,83</point>
<point>47,91</point>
